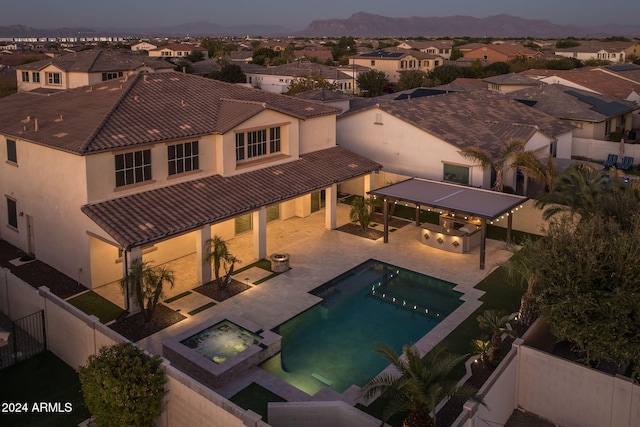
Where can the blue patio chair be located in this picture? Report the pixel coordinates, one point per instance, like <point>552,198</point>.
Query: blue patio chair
<point>627,163</point>
<point>612,159</point>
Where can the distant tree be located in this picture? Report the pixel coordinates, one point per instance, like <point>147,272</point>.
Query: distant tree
<point>410,79</point>
<point>456,54</point>
<point>567,43</point>
<point>184,66</point>
<point>563,64</point>
<point>255,44</point>
<point>216,48</point>
<point>496,69</point>
<point>372,82</point>
<point>122,386</point>
<point>8,86</point>
<point>445,74</point>
<point>345,47</point>
<point>195,56</point>
<point>595,62</point>
<point>263,56</point>
<point>230,73</point>
<point>311,82</point>
<point>475,69</point>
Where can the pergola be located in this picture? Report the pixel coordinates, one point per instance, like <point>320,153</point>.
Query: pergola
<point>459,199</point>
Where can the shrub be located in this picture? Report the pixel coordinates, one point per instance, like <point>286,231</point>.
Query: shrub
<point>122,386</point>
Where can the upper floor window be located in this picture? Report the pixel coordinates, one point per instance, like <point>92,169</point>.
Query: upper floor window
<point>111,76</point>
<point>133,167</point>
<point>183,157</point>
<point>255,143</point>
<point>373,62</point>
<point>25,76</point>
<point>12,213</point>
<point>36,77</point>
<point>12,155</point>
<point>54,78</point>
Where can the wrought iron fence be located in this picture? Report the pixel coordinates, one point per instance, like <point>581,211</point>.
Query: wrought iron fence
<point>27,338</point>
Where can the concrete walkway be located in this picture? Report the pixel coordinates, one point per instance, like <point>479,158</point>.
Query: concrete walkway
<point>318,255</point>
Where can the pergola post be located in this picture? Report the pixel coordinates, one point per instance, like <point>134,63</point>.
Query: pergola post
<point>509,227</point>
<point>417,215</point>
<point>385,221</point>
<point>483,241</point>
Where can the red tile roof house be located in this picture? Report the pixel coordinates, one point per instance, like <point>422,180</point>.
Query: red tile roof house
<point>94,175</point>
<point>177,50</point>
<point>84,68</point>
<point>501,53</point>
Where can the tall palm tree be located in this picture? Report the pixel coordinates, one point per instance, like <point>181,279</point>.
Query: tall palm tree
<point>494,321</point>
<point>521,266</point>
<point>543,172</point>
<point>146,284</point>
<point>419,384</point>
<point>498,163</point>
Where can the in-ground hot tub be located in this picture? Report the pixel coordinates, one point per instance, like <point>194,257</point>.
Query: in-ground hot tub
<point>215,352</point>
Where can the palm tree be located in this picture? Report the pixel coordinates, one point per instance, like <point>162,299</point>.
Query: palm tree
<point>536,169</point>
<point>419,384</point>
<point>360,212</point>
<point>495,322</point>
<point>575,191</point>
<point>146,284</point>
<point>499,163</point>
<point>521,266</point>
<point>221,257</point>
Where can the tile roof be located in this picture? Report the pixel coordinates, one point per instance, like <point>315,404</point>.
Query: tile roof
<point>512,79</point>
<point>480,118</point>
<point>161,213</point>
<point>97,61</point>
<point>140,109</point>
<point>568,103</point>
<point>394,53</point>
<point>595,79</point>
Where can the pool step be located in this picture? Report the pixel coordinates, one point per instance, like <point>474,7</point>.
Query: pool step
<point>322,379</point>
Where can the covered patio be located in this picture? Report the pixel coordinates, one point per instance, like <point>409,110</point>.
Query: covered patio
<point>451,200</point>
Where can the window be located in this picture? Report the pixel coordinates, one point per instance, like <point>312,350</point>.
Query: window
<point>36,77</point>
<point>12,213</point>
<point>25,76</point>
<point>274,140</point>
<point>54,78</point>
<point>183,157</point>
<point>454,173</point>
<point>254,143</point>
<point>111,76</point>
<point>607,127</point>
<point>132,168</point>
<point>12,154</point>
<point>373,63</point>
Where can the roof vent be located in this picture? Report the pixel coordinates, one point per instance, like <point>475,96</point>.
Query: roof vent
<point>59,119</point>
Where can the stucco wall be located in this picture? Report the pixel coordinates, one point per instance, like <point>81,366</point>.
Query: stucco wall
<point>598,150</point>
<point>318,414</point>
<point>317,133</point>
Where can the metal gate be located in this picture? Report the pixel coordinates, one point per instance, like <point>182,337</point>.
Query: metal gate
<point>26,338</point>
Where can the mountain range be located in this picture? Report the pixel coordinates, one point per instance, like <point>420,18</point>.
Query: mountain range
<point>360,24</point>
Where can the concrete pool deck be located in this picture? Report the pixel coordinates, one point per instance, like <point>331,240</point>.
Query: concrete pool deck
<point>318,255</point>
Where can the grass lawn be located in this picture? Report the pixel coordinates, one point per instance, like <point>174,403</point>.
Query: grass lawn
<point>44,378</point>
<point>92,303</point>
<point>256,398</point>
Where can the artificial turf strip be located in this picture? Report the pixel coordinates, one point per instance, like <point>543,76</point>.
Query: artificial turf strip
<point>199,309</point>
<point>262,263</point>
<point>43,378</point>
<point>177,297</point>
<point>94,304</point>
<point>256,398</point>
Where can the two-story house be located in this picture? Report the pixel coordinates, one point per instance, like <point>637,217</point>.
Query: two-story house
<point>594,49</point>
<point>278,79</point>
<point>177,50</point>
<point>84,68</point>
<point>393,61</point>
<point>94,177</point>
<point>143,46</point>
<point>433,47</point>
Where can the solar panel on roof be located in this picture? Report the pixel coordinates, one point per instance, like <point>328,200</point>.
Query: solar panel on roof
<point>600,106</point>
<point>623,67</point>
<point>383,54</point>
<point>419,93</point>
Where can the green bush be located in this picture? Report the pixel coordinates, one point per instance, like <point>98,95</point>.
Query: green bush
<point>122,386</point>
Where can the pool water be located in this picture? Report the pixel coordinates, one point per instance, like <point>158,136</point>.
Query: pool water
<point>331,344</point>
<point>221,341</point>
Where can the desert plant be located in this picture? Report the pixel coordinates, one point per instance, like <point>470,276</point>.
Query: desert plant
<point>419,385</point>
<point>495,322</point>
<point>497,163</point>
<point>122,386</point>
<point>222,258</point>
<point>145,283</point>
<point>360,212</point>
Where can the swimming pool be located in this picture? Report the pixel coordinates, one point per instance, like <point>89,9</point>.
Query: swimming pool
<point>331,344</point>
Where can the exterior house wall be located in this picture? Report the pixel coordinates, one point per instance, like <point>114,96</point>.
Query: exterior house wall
<point>80,79</point>
<point>613,56</point>
<point>317,134</point>
<point>402,148</point>
<point>392,67</point>
<point>30,85</point>
<point>50,197</point>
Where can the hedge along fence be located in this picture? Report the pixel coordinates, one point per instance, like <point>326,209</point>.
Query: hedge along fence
<point>73,335</point>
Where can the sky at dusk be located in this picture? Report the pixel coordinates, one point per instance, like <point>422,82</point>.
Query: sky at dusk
<point>297,14</point>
